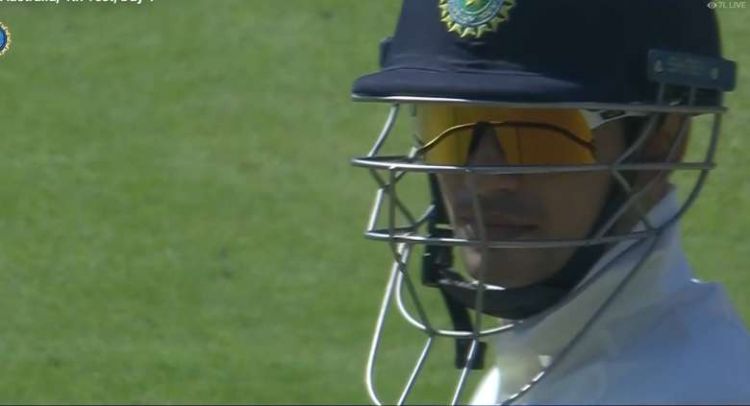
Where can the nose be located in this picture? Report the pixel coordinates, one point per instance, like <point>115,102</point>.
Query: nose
<point>487,150</point>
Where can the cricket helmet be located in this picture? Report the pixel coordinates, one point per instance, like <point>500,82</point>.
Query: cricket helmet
<point>542,67</point>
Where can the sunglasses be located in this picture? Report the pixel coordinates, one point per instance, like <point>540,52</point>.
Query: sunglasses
<point>452,135</point>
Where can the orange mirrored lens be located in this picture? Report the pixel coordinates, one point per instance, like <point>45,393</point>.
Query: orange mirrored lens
<point>524,137</point>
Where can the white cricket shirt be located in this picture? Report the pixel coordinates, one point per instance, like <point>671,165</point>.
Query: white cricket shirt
<point>667,338</point>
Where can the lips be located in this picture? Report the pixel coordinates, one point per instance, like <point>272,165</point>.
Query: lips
<point>508,232</point>
<point>498,228</point>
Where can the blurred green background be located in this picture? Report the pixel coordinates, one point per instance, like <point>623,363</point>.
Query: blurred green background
<point>178,218</point>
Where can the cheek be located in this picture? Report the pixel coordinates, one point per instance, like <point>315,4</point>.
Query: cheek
<point>573,202</point>
<point>451,187</point>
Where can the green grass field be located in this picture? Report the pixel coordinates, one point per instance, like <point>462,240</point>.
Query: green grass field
<point>178,218</point>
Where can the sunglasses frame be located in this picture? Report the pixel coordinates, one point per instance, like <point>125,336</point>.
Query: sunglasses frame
<point>424,149</point>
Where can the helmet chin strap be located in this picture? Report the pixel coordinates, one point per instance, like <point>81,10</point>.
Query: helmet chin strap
<point>524,302</point>
<point>511,303</point>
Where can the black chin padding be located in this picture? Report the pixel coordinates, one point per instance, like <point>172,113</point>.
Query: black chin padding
<point>524,302</point>
<point>512,304</point>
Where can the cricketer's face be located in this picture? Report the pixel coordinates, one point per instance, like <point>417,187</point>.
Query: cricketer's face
<point>523,207</point>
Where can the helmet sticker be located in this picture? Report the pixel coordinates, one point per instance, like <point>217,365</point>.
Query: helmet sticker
<point>474,18</point>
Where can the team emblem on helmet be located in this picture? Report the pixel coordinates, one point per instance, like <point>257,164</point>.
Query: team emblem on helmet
<point>4,39</point>
<point>474,18</point>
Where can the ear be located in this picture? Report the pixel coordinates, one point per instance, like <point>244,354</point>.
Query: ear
<point>657,149</point>
<point>659,146</point>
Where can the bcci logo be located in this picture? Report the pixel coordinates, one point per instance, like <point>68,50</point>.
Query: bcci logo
<point>474,18</point>
<point>4,39</point>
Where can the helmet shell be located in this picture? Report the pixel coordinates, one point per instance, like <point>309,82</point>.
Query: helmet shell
<point>544,51</point>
